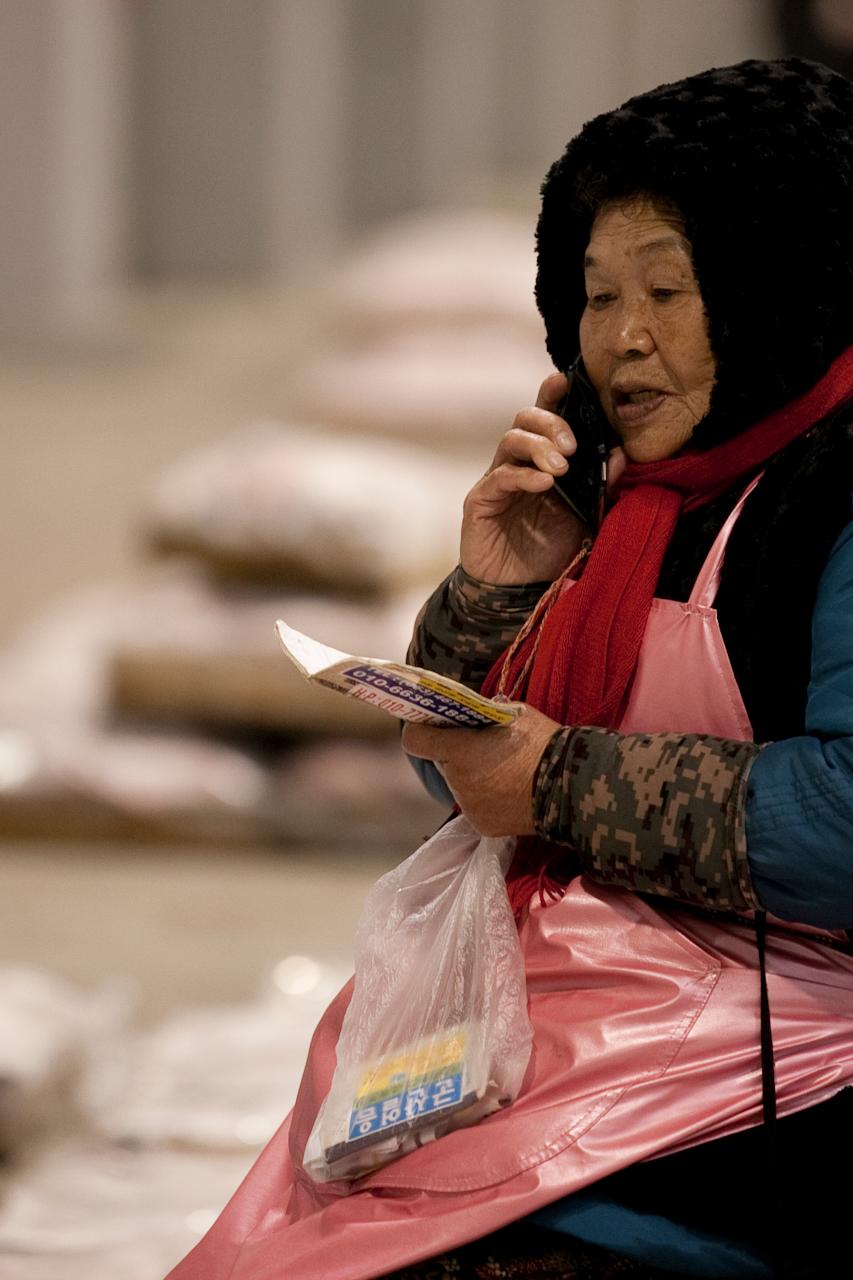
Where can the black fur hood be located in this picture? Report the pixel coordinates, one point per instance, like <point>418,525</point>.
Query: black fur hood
<point>759,159</point>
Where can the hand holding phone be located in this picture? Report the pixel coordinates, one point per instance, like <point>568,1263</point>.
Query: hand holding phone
<point>514,531</point>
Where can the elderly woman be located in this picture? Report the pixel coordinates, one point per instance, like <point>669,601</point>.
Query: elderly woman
<point>684,762</point>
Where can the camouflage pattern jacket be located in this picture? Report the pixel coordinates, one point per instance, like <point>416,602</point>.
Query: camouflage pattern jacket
<point>784,841</point>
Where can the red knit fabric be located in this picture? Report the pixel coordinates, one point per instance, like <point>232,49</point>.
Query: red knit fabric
<point>585,646</point>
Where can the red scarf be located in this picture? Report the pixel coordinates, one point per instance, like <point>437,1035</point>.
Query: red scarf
<point>576,659</point>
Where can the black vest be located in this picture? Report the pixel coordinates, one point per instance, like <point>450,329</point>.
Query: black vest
<point>774,560</point>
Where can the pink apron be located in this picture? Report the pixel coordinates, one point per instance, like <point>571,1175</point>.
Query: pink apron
<point>646,1040</point>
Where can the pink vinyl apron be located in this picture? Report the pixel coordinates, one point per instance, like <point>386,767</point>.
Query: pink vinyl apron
<point>646,1040</point>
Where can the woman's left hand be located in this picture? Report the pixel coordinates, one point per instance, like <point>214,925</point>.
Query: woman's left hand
<point>489,771</point>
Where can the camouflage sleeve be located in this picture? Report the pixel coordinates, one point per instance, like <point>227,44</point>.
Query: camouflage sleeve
<point>659,813</point>
<point>465,625</point>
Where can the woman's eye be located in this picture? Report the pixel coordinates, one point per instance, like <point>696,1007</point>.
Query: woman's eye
<point>599,300</point>
<point>663,294</point>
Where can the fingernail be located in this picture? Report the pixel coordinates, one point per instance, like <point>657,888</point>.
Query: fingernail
<point>556,460</point>
<point>564,440</point>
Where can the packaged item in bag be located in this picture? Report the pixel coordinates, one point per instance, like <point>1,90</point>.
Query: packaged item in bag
<point>436,1035</point>
<point>411,1097</point>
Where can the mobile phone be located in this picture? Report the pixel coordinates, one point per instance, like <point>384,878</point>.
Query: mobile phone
<point>584,485</point>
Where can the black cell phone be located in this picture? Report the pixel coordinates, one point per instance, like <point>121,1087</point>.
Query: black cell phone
<point>584,485</point>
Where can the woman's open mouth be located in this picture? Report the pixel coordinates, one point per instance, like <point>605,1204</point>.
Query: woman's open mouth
<point>631,407</point>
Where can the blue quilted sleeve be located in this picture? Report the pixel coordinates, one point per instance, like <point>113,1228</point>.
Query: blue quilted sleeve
<point>799,817</point>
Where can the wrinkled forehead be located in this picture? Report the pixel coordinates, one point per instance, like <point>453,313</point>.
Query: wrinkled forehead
<point>640,229</point>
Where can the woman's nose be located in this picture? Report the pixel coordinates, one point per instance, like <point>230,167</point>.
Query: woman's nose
<point>631,332</point>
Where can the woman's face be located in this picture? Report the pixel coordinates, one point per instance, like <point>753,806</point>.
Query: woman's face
<point>644,333</point>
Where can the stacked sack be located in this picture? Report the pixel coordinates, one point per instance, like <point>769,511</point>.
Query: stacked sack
<point>161,707</point>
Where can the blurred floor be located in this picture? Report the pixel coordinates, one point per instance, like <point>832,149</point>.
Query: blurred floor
<point>168,930</point>
<point>181,926</point>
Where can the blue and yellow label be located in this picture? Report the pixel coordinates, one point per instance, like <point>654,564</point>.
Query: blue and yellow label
<point>414,1082</point>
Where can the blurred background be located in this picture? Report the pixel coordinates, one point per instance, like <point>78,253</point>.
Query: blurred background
<point>267,274</point>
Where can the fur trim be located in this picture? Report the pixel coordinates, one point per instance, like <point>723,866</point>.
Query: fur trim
<point>759,159</point>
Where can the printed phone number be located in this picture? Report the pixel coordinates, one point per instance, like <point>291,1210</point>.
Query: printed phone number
<point>437,703</point>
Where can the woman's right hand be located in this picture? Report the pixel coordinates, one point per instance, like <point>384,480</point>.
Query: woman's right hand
<point>515,528</point>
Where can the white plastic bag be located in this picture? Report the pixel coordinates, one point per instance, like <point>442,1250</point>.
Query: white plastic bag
<point>436,1035</point>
